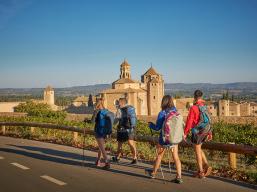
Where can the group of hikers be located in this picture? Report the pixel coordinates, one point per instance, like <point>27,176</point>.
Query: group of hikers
<point>169,123</point>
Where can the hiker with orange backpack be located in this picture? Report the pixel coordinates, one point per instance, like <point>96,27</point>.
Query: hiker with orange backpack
<point>171,126</point>
<point>198,121</point>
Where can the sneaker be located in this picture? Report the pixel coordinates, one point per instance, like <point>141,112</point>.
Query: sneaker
<point>207,171</point>
<point>201,175</point>
<point>149,173</point>
<point>98,163</point>
<point>115,159</point>
<point>134,162</point>
<point>107,166</point>
<point>177,180</point>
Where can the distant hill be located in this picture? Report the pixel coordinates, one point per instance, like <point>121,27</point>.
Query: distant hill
<point>67,91</point>
<point>227,86</point>
<point>184,89</point>
<point>237,89</point>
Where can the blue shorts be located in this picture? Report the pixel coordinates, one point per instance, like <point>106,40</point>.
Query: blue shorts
<point>99,136</point>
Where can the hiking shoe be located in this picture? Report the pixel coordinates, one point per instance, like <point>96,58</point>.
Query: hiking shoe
<point>177,180</point>
<point>107,166</point>
<point>115,159</point>
<point>207,171</point>
<point>149,173</point>
<point>200,175</point>
<point>134,162</point>
<point>98,163</point>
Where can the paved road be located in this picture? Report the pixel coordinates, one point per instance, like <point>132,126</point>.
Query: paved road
<point>36,166</point>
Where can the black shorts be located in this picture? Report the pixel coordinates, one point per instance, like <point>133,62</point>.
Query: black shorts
<point>199,138</point>
<point>124,135</point>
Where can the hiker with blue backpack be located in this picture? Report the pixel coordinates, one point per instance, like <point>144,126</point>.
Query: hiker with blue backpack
<point>126,119</point>
<point>103,120</point>
<point>198,121</point>
<point>171,126</point>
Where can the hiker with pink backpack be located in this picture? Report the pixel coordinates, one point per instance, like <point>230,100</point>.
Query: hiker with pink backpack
<point>171,126</point>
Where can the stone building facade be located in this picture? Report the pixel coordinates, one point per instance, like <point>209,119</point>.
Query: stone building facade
<point>213,109</point>
<point>245,109</point>
<point>144,95</point>
<point>234,109</point>
<point>224,108</point>
<point>49,95</point>
<point>8,106</point>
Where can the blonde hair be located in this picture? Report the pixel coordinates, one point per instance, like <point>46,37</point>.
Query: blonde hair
<point>99,103</point>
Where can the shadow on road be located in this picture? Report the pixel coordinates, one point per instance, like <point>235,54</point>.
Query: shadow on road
<point>54,152</point>
<point>62,160</point>
<point>75,159</point>
<point>76,156</point>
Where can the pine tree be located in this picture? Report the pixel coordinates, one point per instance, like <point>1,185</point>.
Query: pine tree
<point>90,101</point>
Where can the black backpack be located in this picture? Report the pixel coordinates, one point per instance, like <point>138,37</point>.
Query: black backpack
<point>125,119</point>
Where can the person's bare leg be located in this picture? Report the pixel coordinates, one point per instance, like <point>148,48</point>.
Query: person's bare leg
<point>199,158</point>
<point>99,155</point>
<point>160,153</point>
<point>205,162</point>
<point>101,144</point>
<point>206,167</point>
<point>119,150</point>
<point>177,161</point>
<point>132,145</point>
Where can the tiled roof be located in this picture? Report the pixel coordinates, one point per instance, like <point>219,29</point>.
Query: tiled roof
<point>151,71</point>
<point>127,90</point>
<point>124,80</point>
<point>253,104</point>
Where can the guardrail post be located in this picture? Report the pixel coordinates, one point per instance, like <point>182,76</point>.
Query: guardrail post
<point>3,129</point>
<point>232,159</point>
<point>32,129</point>
<point>75,137</point>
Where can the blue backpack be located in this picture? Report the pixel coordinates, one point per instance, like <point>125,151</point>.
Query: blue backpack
<point>204,125</point>
<point>104,122</point>
<point>128,118</point>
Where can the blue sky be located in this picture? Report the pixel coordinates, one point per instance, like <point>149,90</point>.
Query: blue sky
<point>80,42</point>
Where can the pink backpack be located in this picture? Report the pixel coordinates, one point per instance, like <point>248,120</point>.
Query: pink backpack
<point>173,128</point>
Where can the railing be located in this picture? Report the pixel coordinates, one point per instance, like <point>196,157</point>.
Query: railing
<point>232,149</point>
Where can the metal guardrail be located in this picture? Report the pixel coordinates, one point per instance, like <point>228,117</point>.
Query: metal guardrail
<point>232,149</point>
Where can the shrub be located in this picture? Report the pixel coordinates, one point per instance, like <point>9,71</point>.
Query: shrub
<point>40,110</point>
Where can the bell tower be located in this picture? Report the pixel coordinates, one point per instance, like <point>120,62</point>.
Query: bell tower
<point>49,95</point>
<point>125,70</point>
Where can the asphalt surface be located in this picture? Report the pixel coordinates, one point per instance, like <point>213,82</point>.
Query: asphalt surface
<point>36,166</point>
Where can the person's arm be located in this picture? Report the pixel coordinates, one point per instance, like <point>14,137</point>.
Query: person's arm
<point>159,122</point>
<point>189,122</point>
<point>94,116</point>
<point>117,117</point>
